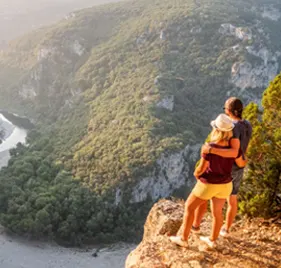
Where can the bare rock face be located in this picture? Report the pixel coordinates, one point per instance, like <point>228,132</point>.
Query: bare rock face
<point>44,53</point>
<point>164,218</point>
<point>172,172</point>
<point>244,75</point>
<point>241,33</point>
<point>156,250</point>
<point>262,63</point>
<point>247,75</point>
<point>167,103</point>
<point>44,77</point>
<point>28,91</point>
<point>6,128</point>
<point>250,244</point>
<point>77,48</point>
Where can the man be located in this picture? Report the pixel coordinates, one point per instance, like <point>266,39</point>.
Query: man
<point>241,136</point>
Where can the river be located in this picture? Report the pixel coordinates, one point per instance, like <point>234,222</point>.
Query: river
<point>17,252</point>
<point>12,135</point>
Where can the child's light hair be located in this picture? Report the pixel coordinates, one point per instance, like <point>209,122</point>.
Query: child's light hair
<point>218,135</point>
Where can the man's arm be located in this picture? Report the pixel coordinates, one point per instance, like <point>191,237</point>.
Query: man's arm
<point>230,153</point>
<point>241,162</point>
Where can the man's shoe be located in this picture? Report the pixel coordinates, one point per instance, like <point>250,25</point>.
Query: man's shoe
<point>205,239</point>
<point>177,240</point>
<point>224,232</point>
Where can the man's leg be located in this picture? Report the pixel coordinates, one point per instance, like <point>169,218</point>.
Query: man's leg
<point>232,201</point>
<point>231,211</point>
<point>199,214</point>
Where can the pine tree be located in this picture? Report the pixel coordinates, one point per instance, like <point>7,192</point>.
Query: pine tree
<point>262,183</point>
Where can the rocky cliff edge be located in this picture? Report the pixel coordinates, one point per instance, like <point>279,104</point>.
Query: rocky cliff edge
<point>253,243</point>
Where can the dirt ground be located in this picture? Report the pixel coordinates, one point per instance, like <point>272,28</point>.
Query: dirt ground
<point>255,243</point>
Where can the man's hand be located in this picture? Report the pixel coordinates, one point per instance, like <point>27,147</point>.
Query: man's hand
<point>205,148</point>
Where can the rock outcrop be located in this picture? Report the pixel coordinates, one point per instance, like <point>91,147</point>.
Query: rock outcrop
<point>77,48</point>
<point>155,249</point>
<point>245,75</point>
<point>256,75</point>
<point>44,77</point>
<point>172,172</point>
<point>241,33</point>
<point>6,128</point>
<point>260,64</point>
<point>254,243</point>
<point>167,103</point>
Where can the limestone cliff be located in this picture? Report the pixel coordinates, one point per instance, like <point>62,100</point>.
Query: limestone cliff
<point>172,172</point>
<point>253,243</point>
<point>6,128</point>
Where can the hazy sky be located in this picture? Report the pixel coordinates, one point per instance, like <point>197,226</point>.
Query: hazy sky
<point>20,16</point>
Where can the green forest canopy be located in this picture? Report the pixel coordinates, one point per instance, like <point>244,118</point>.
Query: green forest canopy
<point>98,123</point>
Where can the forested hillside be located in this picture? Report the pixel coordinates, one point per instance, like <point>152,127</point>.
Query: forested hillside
<point>120,94</point>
